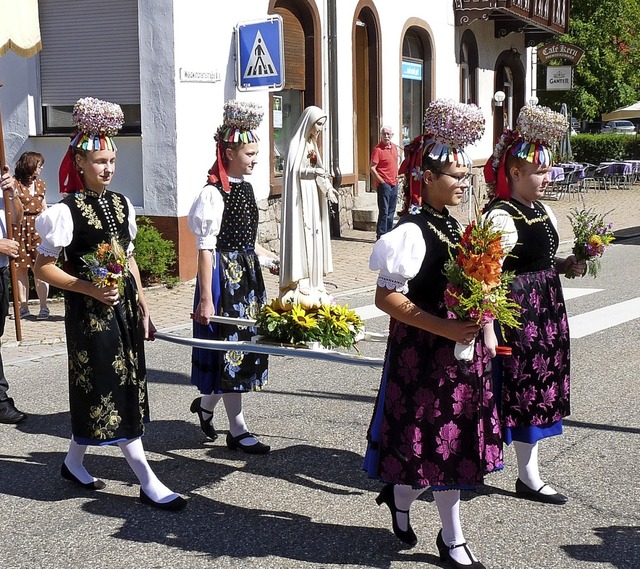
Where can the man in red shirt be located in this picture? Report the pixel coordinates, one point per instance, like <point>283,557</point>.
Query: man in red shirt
<point>384,167</point>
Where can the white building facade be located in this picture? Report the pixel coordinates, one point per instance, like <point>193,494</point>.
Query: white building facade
<point>171,65</point>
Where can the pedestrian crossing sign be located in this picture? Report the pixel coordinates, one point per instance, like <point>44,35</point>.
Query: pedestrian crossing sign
<point>260,55</point>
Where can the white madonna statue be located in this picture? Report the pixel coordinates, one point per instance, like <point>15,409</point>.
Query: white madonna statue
<point>305,243</point>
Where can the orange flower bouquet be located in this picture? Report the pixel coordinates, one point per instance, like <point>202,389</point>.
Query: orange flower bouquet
<point>478,288</point>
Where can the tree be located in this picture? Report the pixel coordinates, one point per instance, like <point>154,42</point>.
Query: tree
<point>608,76</point>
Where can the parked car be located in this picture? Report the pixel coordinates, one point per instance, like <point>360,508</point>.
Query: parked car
<point>618,127</point>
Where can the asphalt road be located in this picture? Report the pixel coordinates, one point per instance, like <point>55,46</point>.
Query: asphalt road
<point>309,504</point>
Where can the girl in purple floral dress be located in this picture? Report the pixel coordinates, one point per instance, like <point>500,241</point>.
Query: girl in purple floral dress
<point>533,383</point>
<point>435,424</point>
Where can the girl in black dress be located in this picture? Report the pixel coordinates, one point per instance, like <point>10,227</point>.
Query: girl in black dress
<point>533,383</point>
<point>106,324</point>
<point>224,218</point>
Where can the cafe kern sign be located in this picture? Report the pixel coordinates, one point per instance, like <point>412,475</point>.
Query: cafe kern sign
<point>560,50</point>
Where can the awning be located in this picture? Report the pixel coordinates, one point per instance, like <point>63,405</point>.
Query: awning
<point>630,112</point>
<point>19,27</point>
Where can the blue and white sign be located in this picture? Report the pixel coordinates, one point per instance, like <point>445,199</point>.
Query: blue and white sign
<point>260,55</point>
<point>411,70</point>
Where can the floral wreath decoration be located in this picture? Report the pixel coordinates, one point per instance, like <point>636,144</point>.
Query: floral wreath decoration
<point>240,120</point>
<point>96,123</point>
<point>449,126</point>
<point>538,130</point>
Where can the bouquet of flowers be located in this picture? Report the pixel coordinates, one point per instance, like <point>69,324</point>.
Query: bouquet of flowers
<point>592,235</point>
<point>330,325</point>
<point>107,265</point>
<point>477,288</point>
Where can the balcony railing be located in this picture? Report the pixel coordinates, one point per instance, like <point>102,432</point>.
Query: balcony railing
<point>537,17</point>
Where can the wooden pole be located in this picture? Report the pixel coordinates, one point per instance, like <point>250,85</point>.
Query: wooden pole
<point>7,211</point>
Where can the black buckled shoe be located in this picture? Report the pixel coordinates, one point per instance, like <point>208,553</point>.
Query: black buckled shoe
<point>175,505</point>
<point>445,555</point>
<point>205,424</point>
<point>97,484</point>
<point>408,536</point>
<point>523,491</point>
<point>9,415</point>
<point>233,443</point>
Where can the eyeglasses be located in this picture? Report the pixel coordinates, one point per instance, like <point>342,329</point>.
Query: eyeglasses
<point>462,179</point>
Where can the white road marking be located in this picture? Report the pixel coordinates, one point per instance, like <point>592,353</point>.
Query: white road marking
<point>570,293</point>
<point>580,326</point>
<point>603,318</point>
<point>371,311</point>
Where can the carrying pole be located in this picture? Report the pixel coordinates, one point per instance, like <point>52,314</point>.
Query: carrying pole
<point>9,227</point>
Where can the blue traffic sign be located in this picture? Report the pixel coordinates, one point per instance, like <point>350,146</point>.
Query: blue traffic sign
<point>260,55</point>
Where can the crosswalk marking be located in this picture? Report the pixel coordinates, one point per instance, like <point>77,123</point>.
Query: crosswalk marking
<point>603,318</point>
<point>579,326</point>
<point>570,293</point>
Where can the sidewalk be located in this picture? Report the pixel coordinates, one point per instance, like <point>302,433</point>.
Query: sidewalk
<point>171,308</point>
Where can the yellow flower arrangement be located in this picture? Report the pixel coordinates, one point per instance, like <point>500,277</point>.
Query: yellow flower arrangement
<point>332,325</point>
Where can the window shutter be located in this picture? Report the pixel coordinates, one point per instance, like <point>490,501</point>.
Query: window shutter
<point>89,49</point>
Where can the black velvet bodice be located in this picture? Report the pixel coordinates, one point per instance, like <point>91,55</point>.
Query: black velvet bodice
<point>239,227</point>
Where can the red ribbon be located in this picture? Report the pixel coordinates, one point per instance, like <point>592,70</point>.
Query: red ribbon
<point>218,172</point>
<point>68,177</point>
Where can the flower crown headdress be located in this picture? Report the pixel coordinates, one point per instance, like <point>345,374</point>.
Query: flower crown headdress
<point>538,130</point>
<point>239,124</point>
<point>449,126</point>
<point>240,120</point>
<point>97,123</point>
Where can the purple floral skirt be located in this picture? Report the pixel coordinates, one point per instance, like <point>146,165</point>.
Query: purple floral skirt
<point>535,378</point>
<point>435,422</point>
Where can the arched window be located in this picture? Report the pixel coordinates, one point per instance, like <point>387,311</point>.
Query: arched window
<point>468,68</point>
<point>416,80</point>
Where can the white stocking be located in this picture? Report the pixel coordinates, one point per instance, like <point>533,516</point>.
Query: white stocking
<point>208,404</point>
<point>448,503</point>
<point>528,471</point>
<point>237,426</point>
<point>74,461</point>
<point>404,496</point>
<point>134,453</point>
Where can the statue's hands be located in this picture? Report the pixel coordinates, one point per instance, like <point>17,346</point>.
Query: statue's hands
<point>332,195</point>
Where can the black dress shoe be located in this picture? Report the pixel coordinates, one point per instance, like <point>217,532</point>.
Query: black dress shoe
<point>205,424</point>
<point>233,443</point>
<point>9,415</point>
<point>178,503</point>
<point>524,491</point>
<point>68,475</point>
<point>408,535</point>
<point>445,555</point>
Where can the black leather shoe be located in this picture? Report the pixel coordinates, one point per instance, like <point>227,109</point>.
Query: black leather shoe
<point>233,443</point>
<point>68,475</point>
<point>408,535</point>
<point>205,424</point>
<point>524,491</point>
<point>445,555</point>
<point>175,505</point>
<point>9,415</point>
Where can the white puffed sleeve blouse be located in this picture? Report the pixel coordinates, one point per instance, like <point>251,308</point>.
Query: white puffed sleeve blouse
<point>55,227</point>
<point>205,218</point>
<point>398,256</point>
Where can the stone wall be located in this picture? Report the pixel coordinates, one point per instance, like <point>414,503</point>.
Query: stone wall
<point>270,211</point>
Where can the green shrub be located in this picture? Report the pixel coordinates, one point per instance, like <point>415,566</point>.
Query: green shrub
<point>596,148</point>
<point>155,256</point>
